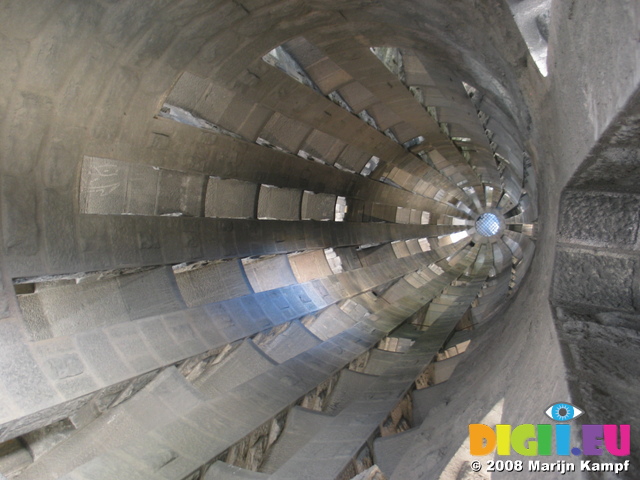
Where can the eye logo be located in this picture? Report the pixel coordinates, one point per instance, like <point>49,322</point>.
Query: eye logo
<point>563,412</point>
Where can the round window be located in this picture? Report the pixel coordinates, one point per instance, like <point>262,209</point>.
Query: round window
<point>487,224</point>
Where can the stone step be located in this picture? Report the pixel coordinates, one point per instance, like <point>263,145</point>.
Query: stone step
<point>424,400</point>
<point>328,453</point>
<point>293,341</point>
<point>349,386</point>
<point>406,330</point>
<point>90,304</point>
<point>459,338</point>
<point>443,369</point>
<point>388,451</point>
<point>302,424</point>
<point>381,360</point>
<point>206,431</point>
<point>244,363</point>
<point>14,458</point>
<point>330,322</point>
<point>213,283</point>
<point>161,402</point>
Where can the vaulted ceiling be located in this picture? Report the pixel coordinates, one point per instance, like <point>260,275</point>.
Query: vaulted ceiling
<point>249,239</point>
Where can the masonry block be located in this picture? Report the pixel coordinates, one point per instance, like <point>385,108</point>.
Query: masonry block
<point>600,217</point>
<point>594,279</point>
<point>279,203</point>
<point>230,198</point>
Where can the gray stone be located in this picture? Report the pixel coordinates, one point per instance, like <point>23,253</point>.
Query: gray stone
<point>14,458</point>
<point>42,418</point>
<point>285,132</point>
<point>269,273</point>
<point>279,203</point>
<point>150,293</point>
<point>293,341</point>
<point>594,280</point>
<point>243,364</point>
<point>229,198</point>
<point>142,186</point>
<point>28,385</point>
<point>98,352</point>
<point>600,218</point>
<point>21,235</point>
<point>223,471</point>
<point>41,441</point>
<point>65,366</point>
<point>103,185</point>
<point>319,206</point>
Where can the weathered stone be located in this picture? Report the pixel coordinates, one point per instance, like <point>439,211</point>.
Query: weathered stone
<point>27,384</point>
<point>318,206</point>
<point>97,351</point>
<point>594,280</point>
<point>103,185</point>
<point>65,366</point>
<point>41,441</point>
<point>14,458</point>
<point>600,218</point>
<point>230,199</point>
<point>21,230</point>
<point>180,193</point>
<point>42,418</point>
<point>279,203</point>
<point>269,273</point>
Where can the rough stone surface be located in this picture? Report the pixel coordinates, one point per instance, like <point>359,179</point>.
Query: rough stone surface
<point>212,283</point>
<point>603,355</point>
<point>600,218</point>
<point>279,204</point>
<point>230,199</point>
<point>596,280</point>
